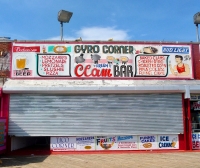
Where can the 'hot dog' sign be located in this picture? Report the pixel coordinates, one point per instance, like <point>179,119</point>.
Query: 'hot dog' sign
<point>45,60</point>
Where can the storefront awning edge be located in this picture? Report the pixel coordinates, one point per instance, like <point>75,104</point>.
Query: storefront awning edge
<point>102,86</point>
<point>96,89</point>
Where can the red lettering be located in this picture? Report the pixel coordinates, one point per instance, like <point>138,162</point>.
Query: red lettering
<point>86,70</point>
<point>81,71</point>
<point>80,68</point>
<point>95,72</point>
<point>197,144</point>
<point>196,105</point>
<point>106,72</point>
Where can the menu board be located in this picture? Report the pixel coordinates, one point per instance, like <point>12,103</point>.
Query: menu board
<point>54,65</point>
<point>65,60</point>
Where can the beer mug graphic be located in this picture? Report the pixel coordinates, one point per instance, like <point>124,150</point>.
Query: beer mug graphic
<point>21,62</point>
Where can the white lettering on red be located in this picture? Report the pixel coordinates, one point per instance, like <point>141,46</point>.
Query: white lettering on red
<point>26,49</point>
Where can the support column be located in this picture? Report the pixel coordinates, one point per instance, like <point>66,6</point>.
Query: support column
<point>187,119</point>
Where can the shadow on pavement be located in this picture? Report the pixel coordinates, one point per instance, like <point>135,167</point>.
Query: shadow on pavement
<point>18,161</point>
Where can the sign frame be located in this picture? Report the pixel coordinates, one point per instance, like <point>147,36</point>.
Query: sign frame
<point>105,43</point>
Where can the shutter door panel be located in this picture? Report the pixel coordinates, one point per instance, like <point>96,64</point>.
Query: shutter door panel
<point>64,115</point>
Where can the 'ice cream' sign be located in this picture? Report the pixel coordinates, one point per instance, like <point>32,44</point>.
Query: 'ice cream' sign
<point>168,142</point>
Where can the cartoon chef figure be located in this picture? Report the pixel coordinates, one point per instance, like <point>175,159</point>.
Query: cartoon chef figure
<point>181,69</point>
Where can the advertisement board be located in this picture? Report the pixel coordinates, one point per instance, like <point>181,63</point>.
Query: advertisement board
<point>122,142</point>
<point>63,143</point>
<point>85,143</point>
<point>148,142</point>
<point>72,143</point>
<point>106,143</point>
<point>2,134</point>
<point>35,60</point>
<point>168,142</point>
<point>128,142</point>
<point>195,140</point>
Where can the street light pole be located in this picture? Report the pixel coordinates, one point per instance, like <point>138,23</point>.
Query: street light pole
<point>63,17</point>
<point>61,31</point>
<point>197,30</point>
<point>196,19</point>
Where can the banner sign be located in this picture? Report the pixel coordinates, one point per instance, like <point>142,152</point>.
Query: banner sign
<point>124,142</point>
<point>195,140</point>
<point>148,142</point>
<point>2,134</point>
<point>46,60</point>
<point>168,142</point>
<point>63,143</point>
<point>85,143</point>
<point>72,143</point>
<point>117,143</point>
<point>127,142</point>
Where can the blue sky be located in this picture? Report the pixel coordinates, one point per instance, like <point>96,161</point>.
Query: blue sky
<point>148,20</point>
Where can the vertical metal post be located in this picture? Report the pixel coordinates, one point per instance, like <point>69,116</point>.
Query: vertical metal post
<point>197,32</point>
<point>61,31</point>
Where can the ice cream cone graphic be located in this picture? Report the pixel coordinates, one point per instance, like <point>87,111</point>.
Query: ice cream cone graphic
<point>174,141</point>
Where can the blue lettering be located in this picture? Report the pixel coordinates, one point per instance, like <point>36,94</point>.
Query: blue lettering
<point>84,138</point>
<point>165,145</point>
<point>164,138</point>
<point>184,50</point>
<point>121,138</point>
<point>98,141</point>
<point>101,65</point>
<point>147,139</point>
<point>194,136</point>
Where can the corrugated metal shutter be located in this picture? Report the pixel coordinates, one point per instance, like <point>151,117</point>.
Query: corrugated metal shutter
<point>70,115</point>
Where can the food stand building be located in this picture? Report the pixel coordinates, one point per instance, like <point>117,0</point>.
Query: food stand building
<point>87,96</point>
<point>5,48</point>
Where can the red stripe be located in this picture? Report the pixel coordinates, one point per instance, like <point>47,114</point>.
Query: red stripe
<point>103,61</point>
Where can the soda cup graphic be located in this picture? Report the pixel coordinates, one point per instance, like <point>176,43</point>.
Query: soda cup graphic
<point>174,141</point>
<point>44,49</point>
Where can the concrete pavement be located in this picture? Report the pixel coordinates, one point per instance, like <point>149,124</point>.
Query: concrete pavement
<point>125,160</point>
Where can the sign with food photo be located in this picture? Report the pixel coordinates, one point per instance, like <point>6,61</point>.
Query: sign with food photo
<point>85,143</point>
<point>73,143</point>
<point>148,142</point>
<point>168,142</point>
<point>106,143</point>
<point>107,61</point>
